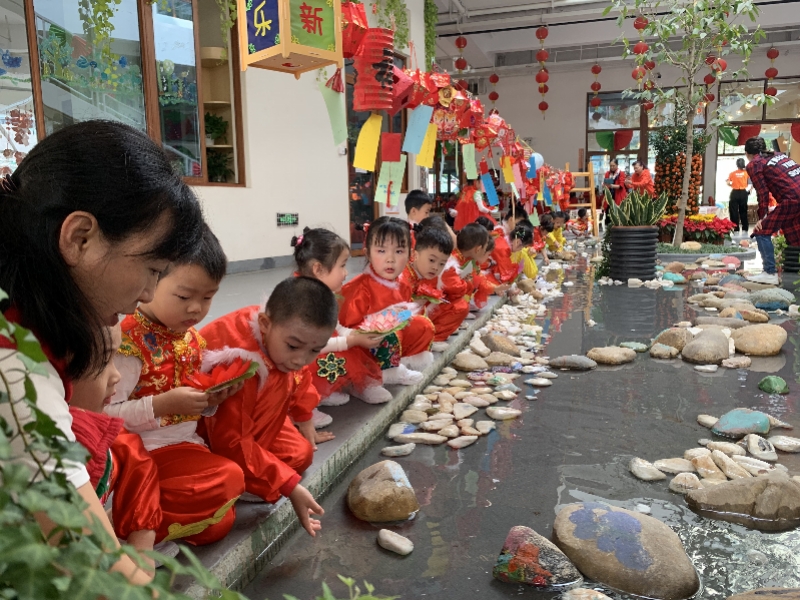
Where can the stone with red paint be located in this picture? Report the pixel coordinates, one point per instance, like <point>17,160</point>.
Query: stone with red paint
<point>529,558</point>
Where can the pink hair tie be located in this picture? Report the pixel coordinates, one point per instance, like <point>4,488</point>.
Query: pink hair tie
<point>299,239</point>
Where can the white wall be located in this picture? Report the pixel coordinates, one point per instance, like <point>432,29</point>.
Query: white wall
<point>291,164</point>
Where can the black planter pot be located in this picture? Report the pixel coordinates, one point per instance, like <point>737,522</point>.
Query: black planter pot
<point>633,252</point>
<point>791,259</point>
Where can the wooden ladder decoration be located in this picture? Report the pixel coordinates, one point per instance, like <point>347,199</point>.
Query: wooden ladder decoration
<point>589,175</point>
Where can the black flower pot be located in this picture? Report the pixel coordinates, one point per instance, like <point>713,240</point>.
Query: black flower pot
<point>791,259</point>
<point>633,253</point>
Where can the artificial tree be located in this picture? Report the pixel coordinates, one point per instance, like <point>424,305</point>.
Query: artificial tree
<point>692,36</point>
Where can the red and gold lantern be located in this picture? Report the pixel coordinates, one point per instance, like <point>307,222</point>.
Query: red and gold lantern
<point>461,62</point>
<point>595,101</point>
<point>354,28</point>
<point>772,72</point>
<point>375,66</point>
<point>493,95</point>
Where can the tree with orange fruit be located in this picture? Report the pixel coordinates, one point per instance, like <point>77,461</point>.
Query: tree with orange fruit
<point>707,31</point>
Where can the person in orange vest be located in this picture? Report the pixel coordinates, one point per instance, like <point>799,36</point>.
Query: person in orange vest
<point>740,192</point>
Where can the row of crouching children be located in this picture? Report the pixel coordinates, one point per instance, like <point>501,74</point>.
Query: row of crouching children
<point>175,454</point>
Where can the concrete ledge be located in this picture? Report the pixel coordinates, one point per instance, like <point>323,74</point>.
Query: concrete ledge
<point>261,529</point>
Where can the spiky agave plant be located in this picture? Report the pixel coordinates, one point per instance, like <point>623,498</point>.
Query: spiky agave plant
<point>638,209</point>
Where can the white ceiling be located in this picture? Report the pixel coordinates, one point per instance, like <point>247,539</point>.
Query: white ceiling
<point>501,26</point>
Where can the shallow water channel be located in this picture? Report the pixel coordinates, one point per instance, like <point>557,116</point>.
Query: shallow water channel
<point>571,444</point>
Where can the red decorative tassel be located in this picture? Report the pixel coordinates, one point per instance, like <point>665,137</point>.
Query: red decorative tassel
<point>336,83</point>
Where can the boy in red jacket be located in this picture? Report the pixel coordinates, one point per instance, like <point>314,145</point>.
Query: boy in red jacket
<point>255,427</point>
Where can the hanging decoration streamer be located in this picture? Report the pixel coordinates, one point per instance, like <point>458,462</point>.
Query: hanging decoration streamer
<point>508,172</point>
<point>390,146</point>
<point>368,141</point>
<point>491,192</point>
<point>543,76</point>
<point>468,154</point>
<point>425,156</point>
<point>334,103</point>
<point>461,62</point>
<point>417,128</point>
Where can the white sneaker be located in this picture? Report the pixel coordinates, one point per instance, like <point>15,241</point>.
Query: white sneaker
<point>418,362</point>
<point>335,399</point>
<point>765,278</point>
<point>439,346</point>
<point>169,549</point>
<point>320,419</point>
<point>376,394</point>
<point>401,375</point>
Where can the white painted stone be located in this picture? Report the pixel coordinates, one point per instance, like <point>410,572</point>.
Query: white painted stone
<point>484,427</point>
<point>539,382</point>
<point>394,542</point>
<point>462,410</point>
<point>502,413</point>
<point>431,439</point>
<point>706,368</point>
<point>413,416</point>
<point>450,431</point>
<point>644,470</point>
<point>463,441</point>
<point>403,450</point>
<point>707,420</point>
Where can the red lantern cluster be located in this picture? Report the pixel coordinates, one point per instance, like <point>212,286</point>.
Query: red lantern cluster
<point>772,72</point>
<point>461,62</point>
<point>641,49</point>
<point>542,77</point>
<point>595,101</point>
<point>493,95</point>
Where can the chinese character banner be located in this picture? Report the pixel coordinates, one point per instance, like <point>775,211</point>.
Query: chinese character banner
<point>313,23</point>
<point>263,25</point>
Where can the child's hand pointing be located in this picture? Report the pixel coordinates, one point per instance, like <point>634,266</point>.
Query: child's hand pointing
<point>304,506</point>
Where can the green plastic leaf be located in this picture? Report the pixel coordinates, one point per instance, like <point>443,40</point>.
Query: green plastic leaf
<point>773,385</point>
<point>28,345</point>
<point>326,592</point>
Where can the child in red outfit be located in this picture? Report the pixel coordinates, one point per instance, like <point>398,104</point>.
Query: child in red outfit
<point>500,268</point>
<point>403,354</point>
<point>160,352</point>
<point>474,246</point>
<point>254,427</point>
<point>345,365</point>
<point>118,462</point>
<point>435,282</point>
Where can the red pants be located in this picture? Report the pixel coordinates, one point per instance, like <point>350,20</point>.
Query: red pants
<point>447,318</point>
<point>417,336</point>
<point>136,503</point>
<point>198,490</point>
<point>291,448</point>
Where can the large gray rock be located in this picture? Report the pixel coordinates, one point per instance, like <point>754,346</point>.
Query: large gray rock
<point>625,550</point>
<point>677,337</point>
<point>529,558</point>
<point>382,493</point>
<point>497,342</point>
<point>611,355</point>
<point>768,502</point>
<point>759,340</point>
<point>466,361</point>
<point>729,323</point>
<point>573,362</point>
<point>710,347</point>
<point>772,299</point>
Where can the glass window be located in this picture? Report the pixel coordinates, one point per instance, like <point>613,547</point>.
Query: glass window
<point>90,62</point>
<point>174,37</point>
<point>16,93</point>
<point>615,112</point>
<point>788,104</point>
<point>664,114</point>
<point>736,108</point>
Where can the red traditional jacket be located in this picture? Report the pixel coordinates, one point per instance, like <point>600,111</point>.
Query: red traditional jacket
<point>167,358</point>
<point>502,268</point>
<point>368,294</point>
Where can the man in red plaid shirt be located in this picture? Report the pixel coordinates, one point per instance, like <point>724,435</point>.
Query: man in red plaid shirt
<point>779,175</point>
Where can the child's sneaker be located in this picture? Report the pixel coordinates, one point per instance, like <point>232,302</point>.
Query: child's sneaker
<point>401,375</point>
<point>418,362</point>
<point>169,549</point>
<point>335,399</point>
<point>439,346</point>
<point>320,419</point>
<point>376,394</point>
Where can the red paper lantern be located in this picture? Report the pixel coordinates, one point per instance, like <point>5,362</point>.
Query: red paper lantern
<point>640,48</point>
<point>461,63</point>
<point>746,132</point>
<point>494,96</point>
<point>638,73</point>
<point>354,28</point>
<point>596,86</point>
<point>462,85</point>
<point>375,67</point>
<point>542,76</point>
<point>542,56</point>
<point>493,78</point>
<point>597,69</point>
<point>773,53</point>
<point>771,91</point>
<point>719,65</point>
<point>543,89</point>
<point>771,73</point>
<point>650,65</point>
<point>710,59</point>
<point>648,106</point>
<point>402,88</point>
<point>595,102</point>
<point>641,23</point>
<point>461,42</point>
<point>649,84</point>
<point>709,97</point>
<point>709,79</point>
<point>542,33</point>
<point>543,106</point>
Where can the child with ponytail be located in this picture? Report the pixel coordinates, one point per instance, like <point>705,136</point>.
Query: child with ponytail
<point>344,367</point>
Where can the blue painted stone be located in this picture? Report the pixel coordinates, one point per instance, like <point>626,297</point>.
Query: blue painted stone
<point>674,277</point>
<point>772,299</point>
<point>635,346</point>
<point>732,278</point>
<point>741,421</point>
<point>659,268</point>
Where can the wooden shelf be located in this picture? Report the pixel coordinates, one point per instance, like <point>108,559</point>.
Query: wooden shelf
<point>211,56</point>
<point>216,103</point>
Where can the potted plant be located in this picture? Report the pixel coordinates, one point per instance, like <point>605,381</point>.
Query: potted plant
<point>633,235</point>
<point>218,166</point>
<point>216,128</point>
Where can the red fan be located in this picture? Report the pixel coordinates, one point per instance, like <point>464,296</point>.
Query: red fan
<point>222,376</point>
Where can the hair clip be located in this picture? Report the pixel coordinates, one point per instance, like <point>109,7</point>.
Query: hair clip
<point>299,239</point>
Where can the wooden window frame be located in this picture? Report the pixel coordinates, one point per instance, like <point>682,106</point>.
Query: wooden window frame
<point>150,86</point>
